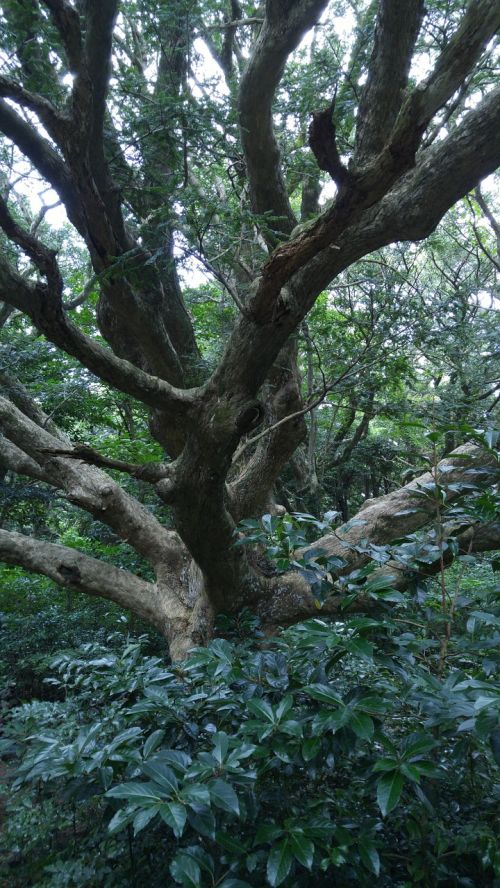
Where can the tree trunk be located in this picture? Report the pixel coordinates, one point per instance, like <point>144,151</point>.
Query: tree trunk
<point>183,601</point>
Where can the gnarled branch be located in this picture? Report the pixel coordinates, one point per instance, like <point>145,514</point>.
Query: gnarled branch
<point>398,23</point>
<point>89,488</point>
<point>46,312</point>
<point>382,520</point>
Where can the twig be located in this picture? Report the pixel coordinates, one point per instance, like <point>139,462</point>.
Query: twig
<point>220,277</point>
<point>83,296</point>
<point>310,406</point>
<point>151,472</point>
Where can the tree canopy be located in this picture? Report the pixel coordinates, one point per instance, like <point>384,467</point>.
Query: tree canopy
<point>237,288</point>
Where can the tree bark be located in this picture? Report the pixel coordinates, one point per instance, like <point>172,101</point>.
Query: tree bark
<point>379,522</point>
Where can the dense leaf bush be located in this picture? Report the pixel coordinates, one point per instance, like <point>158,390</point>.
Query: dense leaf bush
<point>335,753</point>
<point>37,619</point>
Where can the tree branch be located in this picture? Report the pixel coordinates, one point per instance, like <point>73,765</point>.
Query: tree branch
<point>74,570</point>
<point>55,123</point>
<point>47,314</point>
<point>19,395</point>
<point>46,160</point>
<point>100,20</point>
<point>5,313</point>
<point>477,538</point>
<point>89,488</point>
<point>284,26</point>
<point>151,472</point>
<point>373,182</point>
<point>294,601</point>
<point>495,225</point>
<point>67,22</point>
<point>444,173</point>
<point>42,256</point>
<point>478,26</point>
<point>398,24</point>
<point>382,520</point>
<point>236,23</point>
<point>15,460</point>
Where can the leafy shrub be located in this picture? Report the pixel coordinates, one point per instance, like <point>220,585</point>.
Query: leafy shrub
<point>331,753</point>
<point>37,620</point>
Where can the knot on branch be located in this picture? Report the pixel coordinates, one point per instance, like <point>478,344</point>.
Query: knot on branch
<point>167,489</point>
<point>46,305</point>
<point>250,417</point>
<point>69,573</point>
<point>322,142</point>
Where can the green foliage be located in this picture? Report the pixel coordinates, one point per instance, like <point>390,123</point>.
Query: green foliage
<point>37,620</point>
<point>281,536</point>
<point>272,762</point>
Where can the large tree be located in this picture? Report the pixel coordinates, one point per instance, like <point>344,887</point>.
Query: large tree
<point>155,158</point>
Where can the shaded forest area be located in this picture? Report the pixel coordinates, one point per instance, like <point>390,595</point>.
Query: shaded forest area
<point>249,443</point>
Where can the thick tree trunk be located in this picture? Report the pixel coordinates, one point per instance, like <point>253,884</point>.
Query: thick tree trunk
<point>183,601</point>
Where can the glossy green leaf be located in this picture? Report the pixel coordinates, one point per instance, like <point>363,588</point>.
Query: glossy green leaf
<point>389,789</point>
<point>278,863</point>
<point>142,818</point>
<point>362,725</point>
<point>224,796</point>
<point>262,709</point>
<point>302,849</point>
<point>186,871</point>
<point>175,816</point>
<point>136,792</point>
<point>323,693</point>
<point>310,748</point>
<point>369,856</point>
<point>152,742</point>
<point>196,794</point>
<point>162,775</point>
<point>120,820</point>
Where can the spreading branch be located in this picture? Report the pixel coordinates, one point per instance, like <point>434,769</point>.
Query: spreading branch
<point>151,472</point>
<point>55,123</point>
<point>381,521</point>
<point>43,257</point>
<point>45,159</point>
<point>443,174</point>
<point>396,31</point>
<point>46,311</point>
<point>67,22</point>
<point>74,570</point>
<point>88,487</point>
<point>13,459</point>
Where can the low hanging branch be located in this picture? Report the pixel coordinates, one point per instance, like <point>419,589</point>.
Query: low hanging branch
<point>381,521</point>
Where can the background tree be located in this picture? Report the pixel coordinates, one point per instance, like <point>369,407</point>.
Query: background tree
<point>159,160</point>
